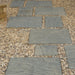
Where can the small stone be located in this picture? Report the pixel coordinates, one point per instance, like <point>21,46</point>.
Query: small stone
<point>34,66</point>
<point>27,22</point>
<point>45,50</point>
<point>54,21</point>
<point>50,11</point>
<point>49,36</point>
<point>70,51</point>
<point>17,3</point>
<point>25,12</point>
<point>38,3</point>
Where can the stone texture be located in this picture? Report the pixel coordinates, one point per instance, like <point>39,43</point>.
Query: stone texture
<point>49,36</point>
<point>50,11</point>
<point>25,12</point>
<point>70,51</point>
<point>21,21</point>
<point>34,66</point>
<point>54,21</point>
<point>45,50</point>
<point>69,21</point>
<point>38,3</point>
<point>17,3</point>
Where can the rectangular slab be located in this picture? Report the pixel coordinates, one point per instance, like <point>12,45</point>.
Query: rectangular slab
<point>70,52</point>
<point>45,50</point>
<point>17,3</point>
<point>50,11</point>
<point>38,3</point>
<point>21,21</point>
<point>34,66</point>
<point>53,21</point>
<point>49,36</point>
<point>25,12</point>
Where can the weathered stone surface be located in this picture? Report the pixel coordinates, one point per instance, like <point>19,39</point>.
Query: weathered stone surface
<point>21,21</point>
<point>53,36</point>
<point>25,12</point>
<point>54,21</point>
<point>38,3</point>
<point>34,66</point>
<point>50,11</point>
<point>45,50</point>
<point>70,51</point>
<point>17,3</point>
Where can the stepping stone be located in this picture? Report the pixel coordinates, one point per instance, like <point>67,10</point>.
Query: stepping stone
<point>70,52</point>
<point>50,11</point>
<point>49,36</point>
<point>25,12</point>
<point>54,21</point>
<point>20,21</point>
<point>45,50</point>
<point>17,3</point>
<point>38,3</point>
<point>34,66</point>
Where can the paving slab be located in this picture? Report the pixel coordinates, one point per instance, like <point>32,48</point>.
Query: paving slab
<point>38,3</point>
<point>49,36</point>
<point>21,21</point>
<point>45,50</point>
<point>70,52</point>
<point>34,66</point>
<point>25,11</point>
<point>50,11</point>
<point>17,3</point>
<point>53,21</point>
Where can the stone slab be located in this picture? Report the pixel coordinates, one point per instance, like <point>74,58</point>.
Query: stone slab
<point>45,50</point>
<point>38,3</point>
<point>49,36</point>
<point>70,52</point>
<point>34,66</point>
<point>21,21</point>
<point>17,3</point>
<point>53,21</point>
<point>50,11</point>
<point>25,12</point>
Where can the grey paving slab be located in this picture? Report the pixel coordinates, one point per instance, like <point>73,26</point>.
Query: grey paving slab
<point>50,11</point>
<point>70,52</point>
<point>34,66</point>
<point>38,3</point>
<point>49,36</point>
<point>21,21</point>
<point>25,11</point>
<point>53,21</point>
<point>45,50</point>
<point>17,3</point>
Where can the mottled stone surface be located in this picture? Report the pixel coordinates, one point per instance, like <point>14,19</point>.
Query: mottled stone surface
<point>45,50</point>
<point>50,11</point>
<point>12,43</point>
<point>34,66</point>
<point>38,3</point>
<point>54,21</point>
<point>17,3</point>
<point>25,11</point>
<point>70,51</point>
<point>53,36</point>
<point>21,21</point>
